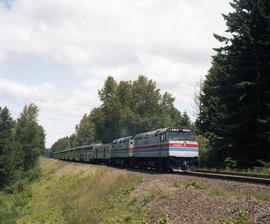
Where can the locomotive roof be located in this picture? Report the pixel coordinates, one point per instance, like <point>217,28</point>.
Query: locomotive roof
<point>122,139</point>
<point>78,147</point>
<point>160,130</point>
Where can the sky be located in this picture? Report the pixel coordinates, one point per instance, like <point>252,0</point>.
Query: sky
<point>58,53</point>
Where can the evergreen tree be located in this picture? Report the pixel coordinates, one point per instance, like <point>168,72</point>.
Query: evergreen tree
<point>7,148</point>
<point>185,120</point>
<point>235,100</point>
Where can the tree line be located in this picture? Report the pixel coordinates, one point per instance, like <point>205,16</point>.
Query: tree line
<point>128,108</point>
<point>234,115</point>
<point>21,143</point>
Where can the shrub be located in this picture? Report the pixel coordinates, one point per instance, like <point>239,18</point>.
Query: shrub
<point>195,184</point>
<point>240,219</point>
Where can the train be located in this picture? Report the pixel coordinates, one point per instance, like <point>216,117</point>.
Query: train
<point>171,148</point>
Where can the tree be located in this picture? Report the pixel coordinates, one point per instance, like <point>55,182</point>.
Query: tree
<point>127,108</point>
<point>85,131</point>
<point>59,145</point>
<point>108,92</point>
<point>235,106</point>
<point>185,120</point>
<point>7,148</point>
<point>30,136</point>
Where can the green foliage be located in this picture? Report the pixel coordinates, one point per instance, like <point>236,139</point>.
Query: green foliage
<point>164,220</point>
<point>21,143</point>
<point>205,152</point>
<point>264,196</point>
<point>46,216</point>
<point>218,192</point>
<point>195,184</point>
<point>7,148</point>
<point>16,196</point>
<point>240,219</point>
<point>85,133</point>
<point>234,102</point>
<point>30,136</point>
<point>228,162</point>
<point>60,144</point>
<point>127,108</point>
<point>176,184</point>
<point>95,196</point>
<point>148,198</point>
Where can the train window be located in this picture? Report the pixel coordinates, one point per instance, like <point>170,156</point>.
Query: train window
<point>163,137</point>
<point>181,136</point>
<point>138,138</point>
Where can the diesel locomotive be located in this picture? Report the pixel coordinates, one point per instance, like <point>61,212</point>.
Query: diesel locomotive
<point>172,148</point>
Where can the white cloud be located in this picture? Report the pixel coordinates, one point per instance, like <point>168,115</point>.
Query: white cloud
<point>168,41</point>
<point>57,108</point>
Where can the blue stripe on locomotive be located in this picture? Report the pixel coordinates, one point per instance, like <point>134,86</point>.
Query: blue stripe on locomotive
<point>185,149</point>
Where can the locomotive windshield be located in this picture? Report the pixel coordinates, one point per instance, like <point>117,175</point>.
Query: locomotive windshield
<point>180,134</point>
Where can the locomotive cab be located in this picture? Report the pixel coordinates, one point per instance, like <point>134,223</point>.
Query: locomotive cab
<point>182,149</point>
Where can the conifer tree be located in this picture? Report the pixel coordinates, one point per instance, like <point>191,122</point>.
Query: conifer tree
<point>235,100</point>
<point>7,147</point>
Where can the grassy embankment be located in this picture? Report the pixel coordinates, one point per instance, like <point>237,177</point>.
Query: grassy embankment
<point>74,193</point>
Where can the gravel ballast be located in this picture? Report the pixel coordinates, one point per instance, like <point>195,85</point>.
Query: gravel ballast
<point>190,205</point>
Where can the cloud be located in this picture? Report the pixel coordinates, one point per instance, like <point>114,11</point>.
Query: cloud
<point>57,108</point>
<point>109,33</point>
<point>168,41</point>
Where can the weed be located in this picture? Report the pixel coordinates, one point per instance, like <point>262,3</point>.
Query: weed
<point>148,198</point>
<point>176,184</point>
<point>164,220</point>
<point>218,192</point>
<point>241,218</point>
<point>264,196</point>
<point>195,184</point>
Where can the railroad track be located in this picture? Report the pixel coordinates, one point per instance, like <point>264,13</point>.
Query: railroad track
<point>247,178</point>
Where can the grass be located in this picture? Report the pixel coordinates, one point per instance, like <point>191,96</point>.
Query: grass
<point>176,184</point>
<point>148,198</point>
<point>219,192</point>
<point>81,194</point>
<point>253,171</point>
<point>264,196</point>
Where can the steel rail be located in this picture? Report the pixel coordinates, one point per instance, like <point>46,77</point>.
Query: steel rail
<point>233,177</point>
